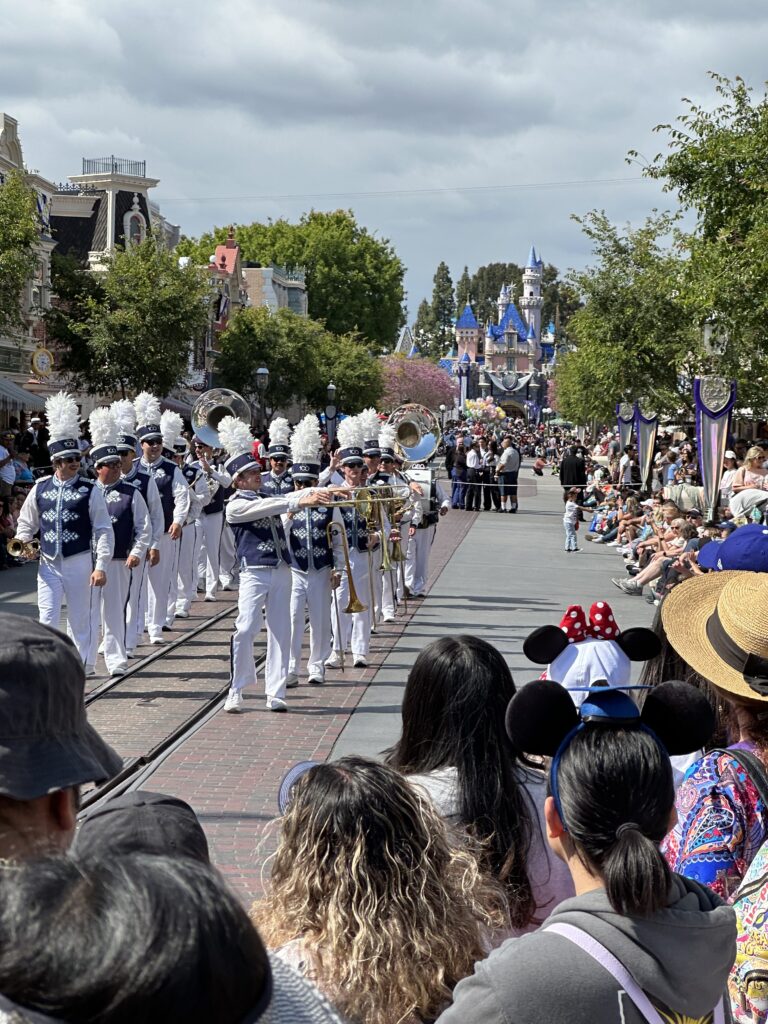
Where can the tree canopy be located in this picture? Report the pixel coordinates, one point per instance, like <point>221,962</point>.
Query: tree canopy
<point>130,328</point>
<point>302,356</point>
<point>354,279</point>
<point>19,234</point>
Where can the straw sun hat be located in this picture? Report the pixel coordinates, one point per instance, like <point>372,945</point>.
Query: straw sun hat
<point>718,624</point>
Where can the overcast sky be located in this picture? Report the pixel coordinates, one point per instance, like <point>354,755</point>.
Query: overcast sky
<point>250,109</point>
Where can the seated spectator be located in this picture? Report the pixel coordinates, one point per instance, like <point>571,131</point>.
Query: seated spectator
<point>636,942</point>
<point>142,822</point>
<point>716,623</point>
<point>21,466</point>
<point>454,746</point>
<point>730,465</point>
<point>48,749</point>
<point>369,898</point>
<point>749,484</point>
<point>138,938</point>
<point>669,551</point>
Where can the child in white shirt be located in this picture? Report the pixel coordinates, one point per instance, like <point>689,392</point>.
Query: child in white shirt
<point>571,519</point>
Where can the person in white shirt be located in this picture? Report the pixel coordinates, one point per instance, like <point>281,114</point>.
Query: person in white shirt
<point>507,470</point>
<point>472,493</point>
<point>730,465</point>
<point>7,470</point>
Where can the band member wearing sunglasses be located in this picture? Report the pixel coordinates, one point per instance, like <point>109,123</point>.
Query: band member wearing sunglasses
<point>70,515</point>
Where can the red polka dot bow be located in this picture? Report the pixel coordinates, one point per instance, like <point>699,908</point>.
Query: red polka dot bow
<point>600,625</point>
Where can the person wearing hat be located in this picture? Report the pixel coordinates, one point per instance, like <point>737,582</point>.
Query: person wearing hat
<point>370,423</point>
<point>48,749</point>
<point>212,520</point>
<point>175,499</point>
<point>730,465</point>
<point>264,560</point>
<point>353,628</point>
<point>35,441</point>
<point>133,532</point>
<point>70,516</point>
<point>716,623</point>
<point>314,561</point>
<point>124,416</point>
<point>7,468</point>
<point>181,596</point>
<point>422,528</point>
<point>278,480</point>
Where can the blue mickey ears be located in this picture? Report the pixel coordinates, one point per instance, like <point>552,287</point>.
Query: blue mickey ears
<point>542,714</point>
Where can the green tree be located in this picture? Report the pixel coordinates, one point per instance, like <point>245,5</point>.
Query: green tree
<point>357,374</point>
<point>75,292</point>
<point>634,336</point>
<point>19,234</point>
<point>354,280</point>
<point>135,330</point>
<point>463,290</point>
<point>486,285</point>
<point>425,329</point>
<point>561,300</point>
<point>443,310</point>
<point>717,166</point>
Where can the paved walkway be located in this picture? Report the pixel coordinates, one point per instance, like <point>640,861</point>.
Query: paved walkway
<point>497,576</point>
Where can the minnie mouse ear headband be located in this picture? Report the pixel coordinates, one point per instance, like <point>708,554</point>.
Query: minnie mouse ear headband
<point>543,719</point>
<point>545,644</point>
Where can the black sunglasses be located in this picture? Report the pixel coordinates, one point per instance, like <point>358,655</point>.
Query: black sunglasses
<point>70,458</point>
<point>276,458</point>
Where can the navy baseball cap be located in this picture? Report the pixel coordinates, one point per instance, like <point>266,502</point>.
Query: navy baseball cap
<point>746,550</point>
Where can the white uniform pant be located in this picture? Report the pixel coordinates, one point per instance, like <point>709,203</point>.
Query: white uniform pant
<point>354,629</point>
<point>376,585</point>
<point>189,553</point>
<point>159,577</point>
<point>417,562</point>
<point>311,591</point>
<point>58,578</point>
<point>211,528</point>
<point>173,582</point>
<point>227,558</point>
<point>109,611</point>
<point>392,590</point>
<point>137,604</point>
<point>268,588</point>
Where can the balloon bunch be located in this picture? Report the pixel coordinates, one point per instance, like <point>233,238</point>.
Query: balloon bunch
<point>483,410</point>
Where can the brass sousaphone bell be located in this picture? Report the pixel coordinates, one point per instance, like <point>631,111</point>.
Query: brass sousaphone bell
<point>211,408</point>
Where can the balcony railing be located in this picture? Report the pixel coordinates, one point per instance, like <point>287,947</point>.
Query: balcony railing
<point>115,165</point>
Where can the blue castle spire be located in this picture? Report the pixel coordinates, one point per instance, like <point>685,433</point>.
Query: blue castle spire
<point>533,262</point>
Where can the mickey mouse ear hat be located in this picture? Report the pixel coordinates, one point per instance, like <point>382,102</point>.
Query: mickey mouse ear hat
<point>542,718</point>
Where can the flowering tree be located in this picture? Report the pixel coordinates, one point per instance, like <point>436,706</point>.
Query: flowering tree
<point>416,380</point>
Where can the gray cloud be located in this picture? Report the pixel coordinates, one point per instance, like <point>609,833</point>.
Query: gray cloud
<point>258,98</point>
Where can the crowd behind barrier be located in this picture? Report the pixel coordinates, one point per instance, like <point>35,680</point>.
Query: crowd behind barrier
<point>577,848</point>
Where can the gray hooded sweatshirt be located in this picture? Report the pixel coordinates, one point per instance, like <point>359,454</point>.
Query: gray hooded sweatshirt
<point>680,958</point>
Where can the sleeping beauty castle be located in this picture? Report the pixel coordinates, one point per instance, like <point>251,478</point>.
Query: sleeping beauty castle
<point>510,357</point>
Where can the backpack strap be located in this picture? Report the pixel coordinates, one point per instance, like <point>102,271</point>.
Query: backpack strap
<point>754,768</point>
<point>618,972</point>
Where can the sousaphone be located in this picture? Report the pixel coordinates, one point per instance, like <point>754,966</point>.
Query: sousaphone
<point>211,408</point>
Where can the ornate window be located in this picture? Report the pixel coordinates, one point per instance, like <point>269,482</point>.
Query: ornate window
<point>134,224</point>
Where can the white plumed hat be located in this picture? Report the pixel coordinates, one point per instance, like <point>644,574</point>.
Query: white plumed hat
<point>279,433</point>
<point>124,416</point>
<point>371,423</point>
<point>103,436</point>
<point>305,449</point>
<point>63,424</point>
<point>147,416</point>
<point>237,441</point>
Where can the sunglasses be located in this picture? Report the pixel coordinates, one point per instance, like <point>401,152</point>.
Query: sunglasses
<point>153,444</point>
<point>387,460</point>
<point>70,458</point>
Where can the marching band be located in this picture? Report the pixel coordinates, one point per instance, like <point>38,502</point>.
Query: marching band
<point>339,549</point>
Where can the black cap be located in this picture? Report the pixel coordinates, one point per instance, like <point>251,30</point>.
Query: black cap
<point>142,822</point>
<point>46,743</point>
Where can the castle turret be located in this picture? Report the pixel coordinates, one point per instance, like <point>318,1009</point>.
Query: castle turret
<point>503,301</point>
<point>531,300</point>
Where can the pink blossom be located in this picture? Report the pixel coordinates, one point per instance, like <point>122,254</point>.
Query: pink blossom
<point>416,380</point>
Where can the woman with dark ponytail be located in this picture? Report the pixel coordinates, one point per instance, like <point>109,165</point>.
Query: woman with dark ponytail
<point>637,942</point>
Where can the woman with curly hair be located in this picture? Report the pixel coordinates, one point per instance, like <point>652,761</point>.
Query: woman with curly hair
<point>369,898</point>
<point>455,747</point>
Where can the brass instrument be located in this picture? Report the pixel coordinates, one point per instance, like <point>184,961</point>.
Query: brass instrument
<point>21,549</point>
<point>354,604</point>
<point>211,408</point>
<point>417,432</point>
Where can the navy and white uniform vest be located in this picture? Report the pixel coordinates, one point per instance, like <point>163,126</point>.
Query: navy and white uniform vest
<point>191,472</point>
<point>65,518</point>
<point>139,480</point>
<point>260,543</point>
<point>162,472</point>
<point>430,518</point>
<point>309,539</point>
<point>356,529</point>
<point>216,504</point>
<point>119,501</point>
<point>271,485</point>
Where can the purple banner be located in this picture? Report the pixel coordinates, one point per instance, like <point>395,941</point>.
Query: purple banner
<point>625,418</point>
<point>715,398</point>
<point>646,428</point>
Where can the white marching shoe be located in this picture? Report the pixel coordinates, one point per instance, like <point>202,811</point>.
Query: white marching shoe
<point>276,704</point>
<point>334,661</point>
<point>291,681</point>
<point>234,702</point>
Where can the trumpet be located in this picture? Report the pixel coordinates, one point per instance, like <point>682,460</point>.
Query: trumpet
<point>354,604</point>
<point>22,549</point>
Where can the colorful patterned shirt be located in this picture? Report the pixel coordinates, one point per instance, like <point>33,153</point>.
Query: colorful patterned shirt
<point>721,825</point>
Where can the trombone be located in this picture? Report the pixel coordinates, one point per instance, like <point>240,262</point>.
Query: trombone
<point>354,604</point>
<point>23,549</point>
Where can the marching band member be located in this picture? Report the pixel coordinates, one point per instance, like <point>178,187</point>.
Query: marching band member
<point>278,479</point>
<point>421,536</point>
<point>356,627</point>
<point>69,513</point>
<point>393,588</point>
<point>133,533</point>
<point>192,534</point>
<point>175,500</point>
<point>124,416</point>
<point>171,426</point>
<point>212,520</point>
<point>265,576</point>
<point>312,557</point>
<point>370,425</point>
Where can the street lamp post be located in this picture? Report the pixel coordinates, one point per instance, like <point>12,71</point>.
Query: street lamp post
<point>442,416</point>
<point>262,382</point>
<point>331,412</point>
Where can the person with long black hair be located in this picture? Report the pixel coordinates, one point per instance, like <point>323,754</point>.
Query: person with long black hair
<point>454,746</point>
<point>637,942</point>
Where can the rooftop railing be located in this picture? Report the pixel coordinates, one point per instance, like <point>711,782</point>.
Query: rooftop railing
<point>115,165</point>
